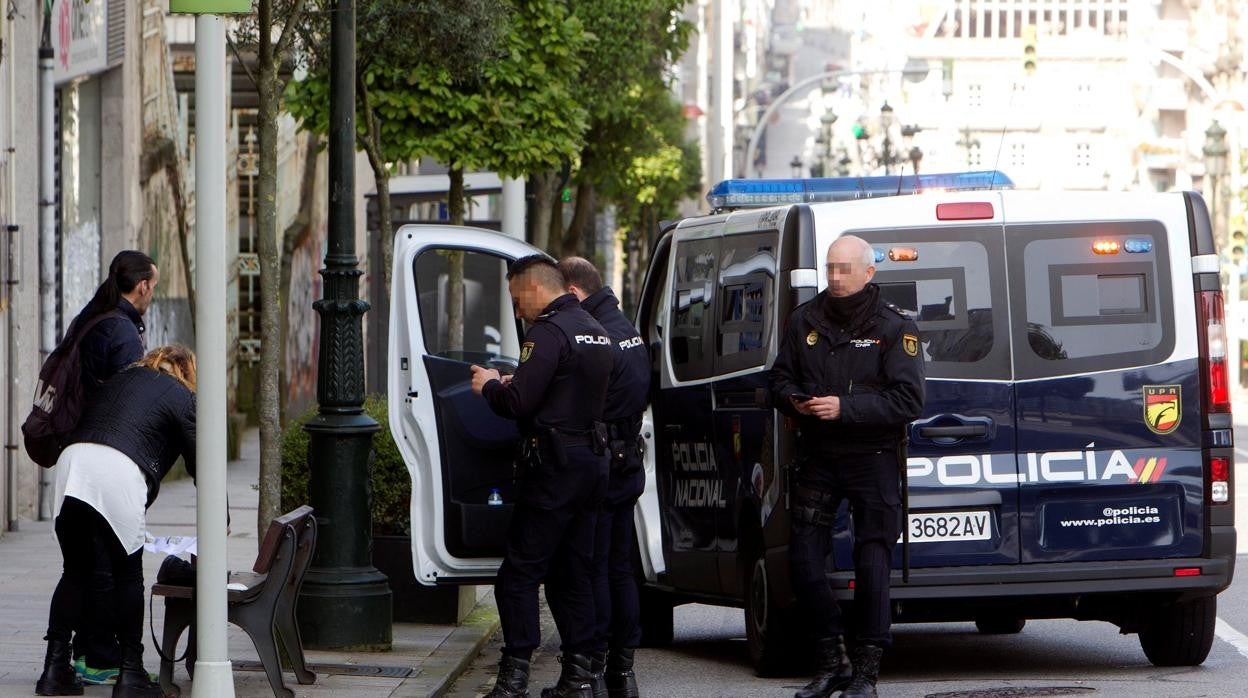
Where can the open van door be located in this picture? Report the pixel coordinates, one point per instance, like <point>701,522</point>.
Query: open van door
<point>456,449</point>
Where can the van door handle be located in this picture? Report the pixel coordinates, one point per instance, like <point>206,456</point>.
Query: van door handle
<point>960,431</point>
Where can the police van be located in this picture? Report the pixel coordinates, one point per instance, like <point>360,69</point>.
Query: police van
<point>1074,458</point>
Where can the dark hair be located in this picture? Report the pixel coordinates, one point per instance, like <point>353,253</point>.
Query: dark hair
<point>125,272</point>
<point>581,273</point>
<point>547,273</point>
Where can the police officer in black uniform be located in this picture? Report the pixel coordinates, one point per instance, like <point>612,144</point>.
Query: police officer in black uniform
<point>850,370</point>
<point>615,578</point>
<point>557,395</point>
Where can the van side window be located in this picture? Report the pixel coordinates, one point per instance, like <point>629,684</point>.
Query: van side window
<point>1086,311</point>
<point>488,331</point>
<point>747,275</point>
<point>693,303</point>
<point>951,282</point>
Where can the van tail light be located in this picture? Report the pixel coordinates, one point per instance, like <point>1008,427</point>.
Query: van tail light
<point>1187,571</point>
<point>1216,393</point>
<point>1219,480</point>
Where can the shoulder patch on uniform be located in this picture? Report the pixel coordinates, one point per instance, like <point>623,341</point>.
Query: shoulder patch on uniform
<point>910,344</point>
<point>526,351</point>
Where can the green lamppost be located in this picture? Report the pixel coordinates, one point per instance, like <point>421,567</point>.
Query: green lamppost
<point>345,601</point>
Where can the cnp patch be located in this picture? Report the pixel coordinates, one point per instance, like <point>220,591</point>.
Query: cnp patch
<point>812,338</point>
<point>526,350</point>
<point>1163,408</point>
<point>910,344</point>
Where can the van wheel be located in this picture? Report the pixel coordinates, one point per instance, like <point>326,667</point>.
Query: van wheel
<point>1000,625</point>
<point>769,631</point>
<point>1181,633</point>
<point>657,624</point>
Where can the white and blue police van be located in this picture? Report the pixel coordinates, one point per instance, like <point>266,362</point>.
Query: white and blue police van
<point>1074,458</point>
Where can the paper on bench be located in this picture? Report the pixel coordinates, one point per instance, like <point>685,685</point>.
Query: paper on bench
<point>170,545</point>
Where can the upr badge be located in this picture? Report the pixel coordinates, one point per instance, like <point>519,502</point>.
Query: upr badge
<point>526,350</point>
<point>910,344</point>
<point>812,338</point>
<point>1163,408</point>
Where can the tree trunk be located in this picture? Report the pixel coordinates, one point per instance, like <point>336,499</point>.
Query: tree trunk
<point>371,144</point>
<point>455,259</point>
<point>543,197</point>
<point>579,238</point>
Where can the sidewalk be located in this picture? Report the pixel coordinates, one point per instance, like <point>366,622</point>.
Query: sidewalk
<point>424,661</point>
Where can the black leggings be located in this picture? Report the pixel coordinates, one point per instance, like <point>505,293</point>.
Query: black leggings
<point>90,548</point>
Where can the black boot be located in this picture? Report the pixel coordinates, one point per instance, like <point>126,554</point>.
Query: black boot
<point>621,681</point>
<point>833,670</point>
<point>513,678</point>
<point>598,669</point>
<point>866,672</point>
<point>58,678</point>
<point>575,681</point>
<point>133,681</point>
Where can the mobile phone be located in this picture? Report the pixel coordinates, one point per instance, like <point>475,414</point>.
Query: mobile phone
<point>802,397</point>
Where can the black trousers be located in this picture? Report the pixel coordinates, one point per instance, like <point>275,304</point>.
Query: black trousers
<point>870,483</point>
<point>551,540</point>
<point>618,608</point>
<point>91,551</point>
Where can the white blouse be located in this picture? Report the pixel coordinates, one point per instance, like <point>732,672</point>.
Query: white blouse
<point>111,483</point>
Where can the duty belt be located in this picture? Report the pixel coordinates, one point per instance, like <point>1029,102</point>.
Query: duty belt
<point>624,429</point>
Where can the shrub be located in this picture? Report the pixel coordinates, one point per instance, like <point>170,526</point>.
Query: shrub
<point>391,483</point>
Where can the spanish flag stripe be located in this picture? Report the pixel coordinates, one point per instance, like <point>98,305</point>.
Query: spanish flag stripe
<point>1148,470</point>
<point>1161,468</point>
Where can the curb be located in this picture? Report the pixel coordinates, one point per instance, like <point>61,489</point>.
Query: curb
<point>456,654</point>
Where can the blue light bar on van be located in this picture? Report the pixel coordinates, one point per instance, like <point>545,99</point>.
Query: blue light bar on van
<point>760,193</point>
<point>1136,245</point>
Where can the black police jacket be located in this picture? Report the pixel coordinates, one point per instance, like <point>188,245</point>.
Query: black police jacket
<point>147,415</point>
<point>875,367</point>
<point>629,386</point>
<point>561,382</point>
<point>113,344</point>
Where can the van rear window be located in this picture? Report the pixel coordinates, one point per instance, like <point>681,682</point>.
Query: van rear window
<point>1086,311</point>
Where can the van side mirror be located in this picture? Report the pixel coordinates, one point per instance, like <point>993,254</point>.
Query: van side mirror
<point>803,278</point>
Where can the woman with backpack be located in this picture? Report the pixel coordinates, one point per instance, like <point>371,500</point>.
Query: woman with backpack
<point>133,429</point>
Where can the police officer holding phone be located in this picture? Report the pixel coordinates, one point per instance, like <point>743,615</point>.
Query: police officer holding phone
<point>557,395</point>
<point>850,370</point>
<point>615,579</point>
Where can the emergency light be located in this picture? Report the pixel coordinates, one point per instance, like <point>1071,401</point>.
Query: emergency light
<point>760,193</point>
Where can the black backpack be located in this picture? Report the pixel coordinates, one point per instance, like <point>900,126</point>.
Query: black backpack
<point>59,399</point>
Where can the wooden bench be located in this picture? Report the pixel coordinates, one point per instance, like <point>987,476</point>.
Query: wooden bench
<point>264,607</point>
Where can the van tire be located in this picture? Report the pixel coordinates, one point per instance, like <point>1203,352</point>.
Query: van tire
<point>1181,633</point>
<point>770,632</point>
<point>1000,625</point>
<point>657,622</point>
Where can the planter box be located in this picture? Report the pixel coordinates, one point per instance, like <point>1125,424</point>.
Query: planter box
<point>413,601</point>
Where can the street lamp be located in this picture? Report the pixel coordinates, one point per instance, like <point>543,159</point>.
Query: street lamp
<point>826,121</point>
<point>796,164</point>
<point>345,601</point>
<point>1215,151</point>
<point>886,124</point>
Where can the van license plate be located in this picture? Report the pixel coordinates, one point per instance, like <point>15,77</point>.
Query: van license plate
<point>932,527</point>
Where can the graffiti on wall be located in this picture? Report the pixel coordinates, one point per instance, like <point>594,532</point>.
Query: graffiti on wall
<point>302,324</point>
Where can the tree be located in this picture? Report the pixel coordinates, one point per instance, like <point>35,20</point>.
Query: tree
<point>515,113</point>
<point>280,17</point>
<point>665,170</point>
<point>456,40</point>
<point>637,41</point>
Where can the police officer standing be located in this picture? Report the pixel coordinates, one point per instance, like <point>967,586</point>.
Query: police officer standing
<point>615,579</point>
<point>850,370</point>
<point>557,395</point>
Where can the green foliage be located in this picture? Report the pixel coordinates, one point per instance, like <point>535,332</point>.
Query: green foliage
<point>392,484</point>
<point>514,114</point>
